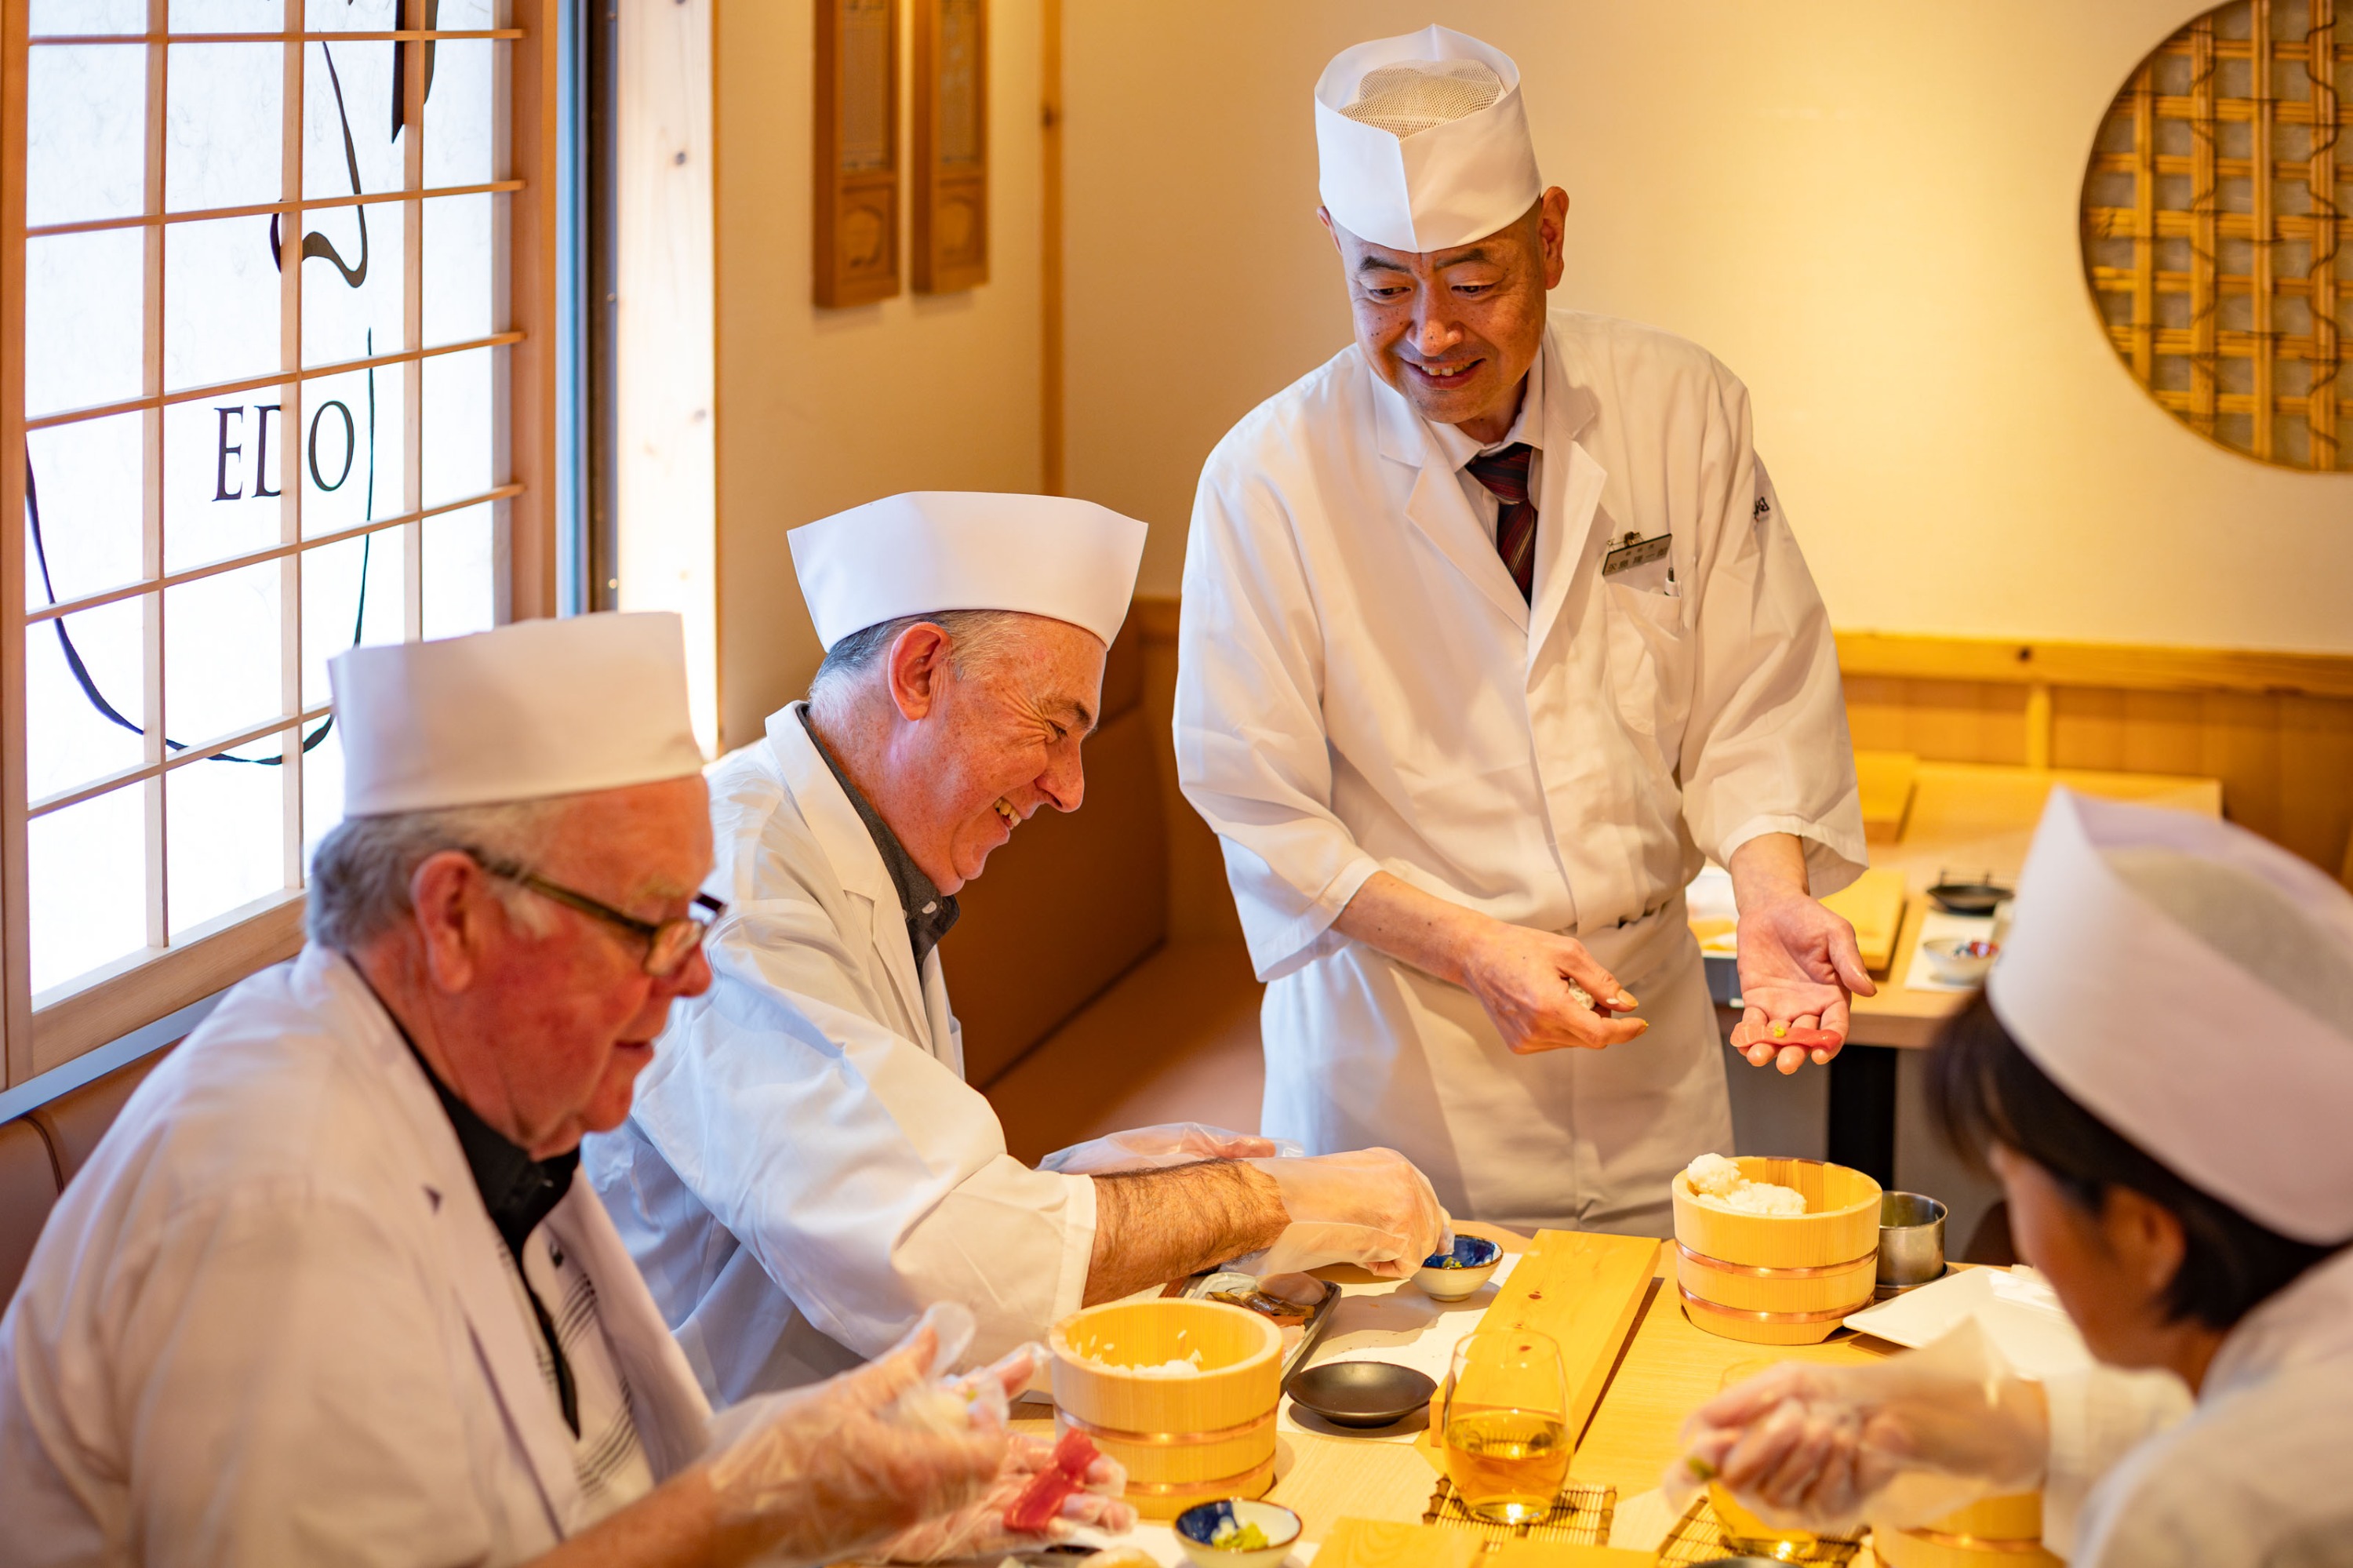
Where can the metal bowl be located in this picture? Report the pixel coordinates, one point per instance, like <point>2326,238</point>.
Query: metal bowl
<point>1911,1240</point>
<point>1361,1393</point>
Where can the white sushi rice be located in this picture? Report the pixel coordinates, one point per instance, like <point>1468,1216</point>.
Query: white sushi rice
<point>1188,1366</point>
<point>1717,1182</point>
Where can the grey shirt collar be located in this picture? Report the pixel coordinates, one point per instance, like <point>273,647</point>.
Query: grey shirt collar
<point>929,912</point>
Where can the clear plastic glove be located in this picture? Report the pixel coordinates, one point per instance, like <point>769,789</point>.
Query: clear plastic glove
<point>978,1527</point>
<point>837,1466</point>
<point>1157,1147</point>
<point>1905,1441</point>
<point>1369,1207</point>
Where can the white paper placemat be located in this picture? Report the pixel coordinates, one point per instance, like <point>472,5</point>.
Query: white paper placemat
<point>1938,926</point>
<point>1393,1321</point>
<point>2018,1310</point>
<point>1158,1541</point>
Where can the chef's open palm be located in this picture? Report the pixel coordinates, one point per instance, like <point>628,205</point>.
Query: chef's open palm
<point>1799,967</point>
<point>1523,978</point>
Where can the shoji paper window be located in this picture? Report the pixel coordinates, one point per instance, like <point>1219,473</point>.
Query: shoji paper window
<point>265,418</point>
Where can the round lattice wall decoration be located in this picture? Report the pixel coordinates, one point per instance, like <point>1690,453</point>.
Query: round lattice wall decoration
<point>2216,234</point>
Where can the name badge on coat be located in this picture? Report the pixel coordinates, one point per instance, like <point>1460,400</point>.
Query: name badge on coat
<point>1641,563</point>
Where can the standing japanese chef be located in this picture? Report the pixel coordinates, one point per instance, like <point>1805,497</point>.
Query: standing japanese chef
<point>1493,632</point>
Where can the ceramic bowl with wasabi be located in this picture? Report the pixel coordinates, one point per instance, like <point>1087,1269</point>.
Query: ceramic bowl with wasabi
<point>1452,1276</point>
<point>1237,1532</point>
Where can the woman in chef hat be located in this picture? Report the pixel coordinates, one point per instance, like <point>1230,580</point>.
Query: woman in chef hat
<point>2161,1073</point>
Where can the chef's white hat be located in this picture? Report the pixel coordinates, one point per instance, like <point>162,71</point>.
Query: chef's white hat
<point>2191,985</point>
<point>1423,142</point>
<point>531,710</point>
<point>933,550</point>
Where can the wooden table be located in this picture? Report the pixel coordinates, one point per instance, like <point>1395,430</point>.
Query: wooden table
<point>1669,1369</point>
<point>1968,817</point>
<point>1965,818</point>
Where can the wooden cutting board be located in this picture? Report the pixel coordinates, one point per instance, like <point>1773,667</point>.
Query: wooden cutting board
<point>1583,1290</point>
<point>1885,780</point>
<point>1873,904</point>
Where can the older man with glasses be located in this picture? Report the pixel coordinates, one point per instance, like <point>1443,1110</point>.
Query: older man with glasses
<point>327,1291</point>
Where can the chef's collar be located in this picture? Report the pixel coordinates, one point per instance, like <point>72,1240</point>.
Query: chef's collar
<point>1527,425</point>
<point>518,1190</point>
<point>929,912</point>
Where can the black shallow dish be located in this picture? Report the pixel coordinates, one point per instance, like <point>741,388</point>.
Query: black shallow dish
<point>1361,1393</point>
<point>1968,897</point>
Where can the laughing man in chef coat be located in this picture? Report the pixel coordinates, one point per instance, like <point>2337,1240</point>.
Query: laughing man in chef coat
<point>805,1168</point>
<point>1493,630</point>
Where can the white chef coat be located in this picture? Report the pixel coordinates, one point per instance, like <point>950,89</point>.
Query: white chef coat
<point>1362,688</point>
<point>607,1457</point>
<point>805,1169</point>
<point>2259,1472</point>
<point>271,1321</point>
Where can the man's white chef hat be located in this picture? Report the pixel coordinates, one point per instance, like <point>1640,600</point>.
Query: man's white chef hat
<point>531,710</point>
<point>2191,985</point>
<point>930,551</point>
<point>1422,141</point>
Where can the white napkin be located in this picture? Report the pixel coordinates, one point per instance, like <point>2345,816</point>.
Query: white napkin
<point>1159,1542</point>
<point>1393,1321</point>
<point>2016,1307</point>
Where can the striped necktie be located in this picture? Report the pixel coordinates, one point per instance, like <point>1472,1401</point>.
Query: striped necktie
<point>1505,475</point>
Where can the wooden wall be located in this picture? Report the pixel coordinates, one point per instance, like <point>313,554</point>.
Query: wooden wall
<point>2276,729</point>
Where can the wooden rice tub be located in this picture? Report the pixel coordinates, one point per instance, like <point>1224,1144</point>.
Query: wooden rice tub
<point>1779,1279</point>
<point>1184,1439</point>
<point>2005,1532</point>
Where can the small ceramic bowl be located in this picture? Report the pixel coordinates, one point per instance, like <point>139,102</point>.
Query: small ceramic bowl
<point>1199,1527</point>
<point>1451,1277</point>
<point>1960,962</point>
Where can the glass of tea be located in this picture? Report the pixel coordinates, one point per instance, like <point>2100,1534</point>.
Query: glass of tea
<point>1506,1424</point>
<point>1743,1531</point>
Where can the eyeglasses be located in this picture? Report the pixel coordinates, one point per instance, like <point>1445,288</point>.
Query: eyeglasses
<point>668,943</point>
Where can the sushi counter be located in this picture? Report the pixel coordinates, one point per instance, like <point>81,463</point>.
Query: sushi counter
<point>1636,1369</point>
<point>1930,823</point>
<point>1422,1426</point>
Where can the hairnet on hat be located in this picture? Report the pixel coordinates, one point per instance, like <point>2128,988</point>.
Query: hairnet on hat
<point>2191,985</point>
<point>1423,142</point>
<point>930,551</point>
<point>528,711</point>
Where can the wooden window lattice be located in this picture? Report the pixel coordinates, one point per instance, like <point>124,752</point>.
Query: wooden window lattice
<point>2214,223</point>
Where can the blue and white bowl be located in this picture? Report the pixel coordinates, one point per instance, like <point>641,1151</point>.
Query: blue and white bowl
<point>1199,1527</point>
<point>1475,1260</point>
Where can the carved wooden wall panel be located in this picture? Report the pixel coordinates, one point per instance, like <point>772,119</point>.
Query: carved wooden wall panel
<point>951,237</point>
<point>2214,223</point>
<point>856,184</point>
